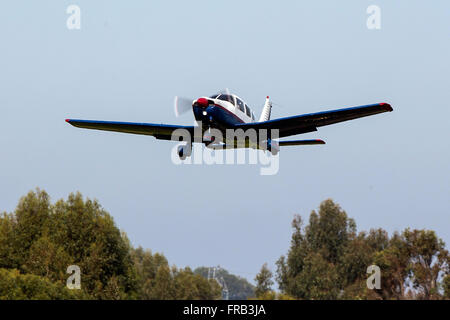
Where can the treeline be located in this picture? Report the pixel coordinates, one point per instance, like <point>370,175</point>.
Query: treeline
<point>238,287</point>
<point>39,240</point>
<point>328,259</point>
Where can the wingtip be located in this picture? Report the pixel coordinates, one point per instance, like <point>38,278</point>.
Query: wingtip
<point>386,106</point>
<point>67,120</point>
<point>320,141</point>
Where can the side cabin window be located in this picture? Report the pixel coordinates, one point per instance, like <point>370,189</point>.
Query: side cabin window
<point>240,104</point>
<point>253,116</point>
<point>247,111</point>
<point>226,97</point>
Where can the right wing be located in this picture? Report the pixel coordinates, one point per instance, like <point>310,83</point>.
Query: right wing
<point>159,131</point>
<point>309,122</point>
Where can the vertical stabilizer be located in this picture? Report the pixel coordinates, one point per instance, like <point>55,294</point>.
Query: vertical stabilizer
<point>265,115</point>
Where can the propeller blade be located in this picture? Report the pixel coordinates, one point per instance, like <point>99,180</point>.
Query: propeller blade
<point>182,105</point>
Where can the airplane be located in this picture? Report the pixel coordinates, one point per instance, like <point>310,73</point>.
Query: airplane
<point>225,111</point>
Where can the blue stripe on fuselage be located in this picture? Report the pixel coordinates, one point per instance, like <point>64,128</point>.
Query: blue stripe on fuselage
<point>217,117</point>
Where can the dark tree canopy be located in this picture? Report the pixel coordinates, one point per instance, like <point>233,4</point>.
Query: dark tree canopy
<point>238,287</point>
<point>263,281</point>
<point>328,259</point>
<point>40,240</point>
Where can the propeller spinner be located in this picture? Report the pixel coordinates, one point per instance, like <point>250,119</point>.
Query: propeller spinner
<point>183,105</point>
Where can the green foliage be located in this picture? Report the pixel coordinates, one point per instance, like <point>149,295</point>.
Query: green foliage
<point>417,258</point>
<point>159,281</point>
<point>318,279</point>
<point>96,245</point>
<point>238,287</point>
<point>45,239</point>
<point>328,259</point>
<point>428,258</point>
<point>311,270</point>
<point>16,286</point>
<point>446,286</point>
<point>47,259</point>
<point>6,246</point>
<point>28,223</point>
<point>40,240</point>
<point>263,281</point>
<point>273,295</point>
<point>329,230</point>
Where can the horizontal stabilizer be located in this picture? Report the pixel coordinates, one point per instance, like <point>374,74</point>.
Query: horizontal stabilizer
<point>221,146</point>
<point>300,142</point>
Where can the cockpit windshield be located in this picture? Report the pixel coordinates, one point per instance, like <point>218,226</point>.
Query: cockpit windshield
<point>226,97</point>
<point>248,111</point>
<point>240,104</point>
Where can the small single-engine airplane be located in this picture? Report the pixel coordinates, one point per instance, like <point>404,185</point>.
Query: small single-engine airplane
<point>225,111</point>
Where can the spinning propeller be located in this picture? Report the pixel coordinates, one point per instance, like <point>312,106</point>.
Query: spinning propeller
<point>183,105</point>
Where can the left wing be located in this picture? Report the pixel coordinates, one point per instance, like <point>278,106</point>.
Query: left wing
<point>309,122</point>
<point>159,131</point>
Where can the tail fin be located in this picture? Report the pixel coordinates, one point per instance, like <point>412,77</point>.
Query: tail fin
<point>265,114</point>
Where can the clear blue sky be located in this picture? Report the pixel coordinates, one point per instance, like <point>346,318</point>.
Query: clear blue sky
<point>131,58</point>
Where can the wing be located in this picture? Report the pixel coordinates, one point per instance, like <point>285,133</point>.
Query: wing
<point>159,131</point>
<point>310,122</point>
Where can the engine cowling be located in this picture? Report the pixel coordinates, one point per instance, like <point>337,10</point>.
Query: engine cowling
<point>184,152</point>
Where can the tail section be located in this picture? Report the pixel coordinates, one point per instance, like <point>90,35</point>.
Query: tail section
<point>265,115</point>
